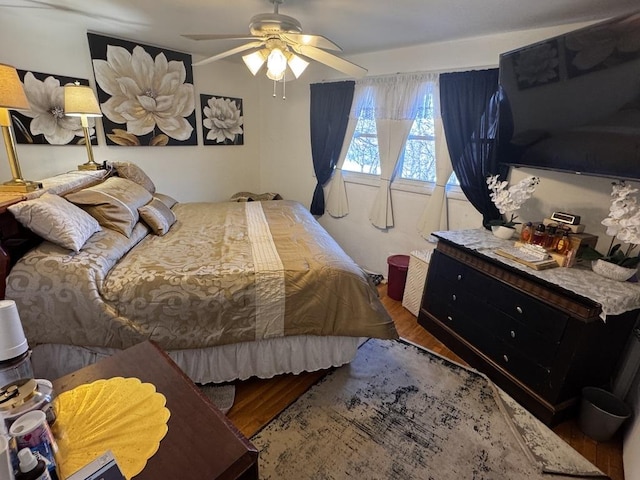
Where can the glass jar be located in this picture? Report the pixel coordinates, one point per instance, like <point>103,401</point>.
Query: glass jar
<point>551,237</point>
<point>564,243</point>
<point>526,233</point>
<point>539,235</point>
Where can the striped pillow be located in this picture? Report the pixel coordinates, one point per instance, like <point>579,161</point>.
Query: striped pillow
<point>114,203</point>
<point>158,216</point>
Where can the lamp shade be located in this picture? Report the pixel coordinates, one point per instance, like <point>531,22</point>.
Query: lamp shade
<point>80,100</point>
<point>11,90</point>
<point>254,61</point>
<point>297,65</point>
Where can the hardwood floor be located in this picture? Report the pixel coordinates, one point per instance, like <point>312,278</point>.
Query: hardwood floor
<point>259,401</point>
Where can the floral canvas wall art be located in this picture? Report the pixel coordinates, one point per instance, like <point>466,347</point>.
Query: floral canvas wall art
<point>146,93</point>
<point>45,123</point>
<point>222,120</point>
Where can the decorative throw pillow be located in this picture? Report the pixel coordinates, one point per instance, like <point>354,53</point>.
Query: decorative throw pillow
<point>114,203</point>
<point>56,220</point>
<point>132,172</point>
<point>158,216</point>
<point>166,199</point>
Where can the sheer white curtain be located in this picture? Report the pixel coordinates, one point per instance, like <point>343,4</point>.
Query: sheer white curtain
<point>396,107</point>
<point>337,203</point>
<point>435,216</point>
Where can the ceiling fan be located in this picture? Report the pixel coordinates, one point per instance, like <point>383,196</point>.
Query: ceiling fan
<point>278,40</point>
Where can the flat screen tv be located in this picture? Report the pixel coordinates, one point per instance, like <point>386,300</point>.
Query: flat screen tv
<point>572,103</point>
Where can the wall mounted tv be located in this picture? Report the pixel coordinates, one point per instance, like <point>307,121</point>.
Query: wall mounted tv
<point>572,103</point>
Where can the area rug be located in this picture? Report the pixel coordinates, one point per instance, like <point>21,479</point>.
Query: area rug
<point>222,396</point>
<point>399,411</point>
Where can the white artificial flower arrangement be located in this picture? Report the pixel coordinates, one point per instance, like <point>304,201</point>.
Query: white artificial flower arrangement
<point>509,199</point>
<point>623,223</point>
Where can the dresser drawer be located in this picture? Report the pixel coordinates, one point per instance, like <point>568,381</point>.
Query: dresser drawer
<point>530,343</point>
<point>524,368</point>
<point>446,268</point>
<point>532,314</point>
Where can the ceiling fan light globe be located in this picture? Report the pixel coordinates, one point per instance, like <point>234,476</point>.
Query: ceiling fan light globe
<point>272,76</point>
<point>297,65</point>
<point>254,61</point>
<point>276,63</point>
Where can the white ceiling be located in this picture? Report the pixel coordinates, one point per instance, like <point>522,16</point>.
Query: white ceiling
<point>358,26</point>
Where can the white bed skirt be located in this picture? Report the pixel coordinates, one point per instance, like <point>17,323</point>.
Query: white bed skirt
<point>225,363</point>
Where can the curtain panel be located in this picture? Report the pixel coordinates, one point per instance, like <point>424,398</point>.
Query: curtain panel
<point>396,107</point>
<point>329,112</point>
<point>469,106</point>
<point>337,202</point>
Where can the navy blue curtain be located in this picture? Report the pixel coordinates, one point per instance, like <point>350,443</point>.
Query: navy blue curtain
<point>330,106</point>
<point>469,105</point>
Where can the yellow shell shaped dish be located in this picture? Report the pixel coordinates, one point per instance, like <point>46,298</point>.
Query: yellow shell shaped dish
<point>123,415</point>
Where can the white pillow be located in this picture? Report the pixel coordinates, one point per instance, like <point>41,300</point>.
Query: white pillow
<point>57,220</point>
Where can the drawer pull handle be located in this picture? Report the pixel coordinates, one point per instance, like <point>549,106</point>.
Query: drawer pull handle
<point>513,334</point>
<point>454,297</point>
<point>450,318</point>
<point>519,309</point>
<point>506,359</point>
<point>459,276</point>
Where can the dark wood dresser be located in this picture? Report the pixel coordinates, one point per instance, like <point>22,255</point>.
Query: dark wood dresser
<point>538,341</point>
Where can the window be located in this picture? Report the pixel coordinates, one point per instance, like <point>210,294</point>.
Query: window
<point>363,155</point>
<point>418,159</point>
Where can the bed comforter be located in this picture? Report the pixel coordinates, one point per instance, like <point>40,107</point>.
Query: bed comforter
<point>225,273</point>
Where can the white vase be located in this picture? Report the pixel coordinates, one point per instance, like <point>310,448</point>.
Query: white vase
<point>612,271</point>
<point>503,232</point>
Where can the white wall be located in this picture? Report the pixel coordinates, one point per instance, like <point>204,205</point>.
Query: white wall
<point>186,172</point>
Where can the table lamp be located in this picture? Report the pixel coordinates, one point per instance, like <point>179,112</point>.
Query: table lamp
<point>80,101</point>
<point>12,97</point>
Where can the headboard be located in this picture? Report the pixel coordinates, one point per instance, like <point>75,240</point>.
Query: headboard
<point>16,240</point>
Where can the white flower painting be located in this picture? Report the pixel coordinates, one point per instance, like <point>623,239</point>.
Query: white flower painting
<point>222,120</point>
<point>146,93</point>
<point>45,122</point>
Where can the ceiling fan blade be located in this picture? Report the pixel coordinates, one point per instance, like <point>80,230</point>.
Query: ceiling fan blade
<point>331,60</point>
<point>208,36</point>
<point>228,53</point>
<point>312,40</point>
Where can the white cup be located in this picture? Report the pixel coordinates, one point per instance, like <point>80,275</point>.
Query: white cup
<point>13,343</point>
<point>6,471</point>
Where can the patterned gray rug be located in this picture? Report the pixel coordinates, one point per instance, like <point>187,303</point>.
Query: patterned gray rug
<point>402,412</point>
<point>222,396</point>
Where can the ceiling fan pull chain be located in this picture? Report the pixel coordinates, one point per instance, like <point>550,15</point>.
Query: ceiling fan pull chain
<point>284,86</point>
<point>274,88</point>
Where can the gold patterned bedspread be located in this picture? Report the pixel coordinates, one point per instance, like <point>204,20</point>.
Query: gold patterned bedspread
<point>225,273</point>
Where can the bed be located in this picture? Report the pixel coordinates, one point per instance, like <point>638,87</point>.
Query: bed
<point>230,289</point>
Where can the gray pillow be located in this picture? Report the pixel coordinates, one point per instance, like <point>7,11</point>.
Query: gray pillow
<point>57,220</point>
